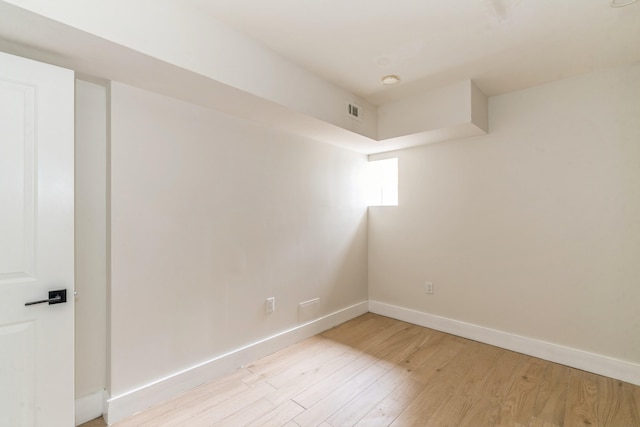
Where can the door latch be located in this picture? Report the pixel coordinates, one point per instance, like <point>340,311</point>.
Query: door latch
<point>55,297</point>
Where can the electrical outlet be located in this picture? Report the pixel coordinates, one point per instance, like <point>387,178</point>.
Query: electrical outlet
<point>270,305</point>
<point>428,287</point>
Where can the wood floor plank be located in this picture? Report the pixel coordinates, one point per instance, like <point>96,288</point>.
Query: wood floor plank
<point>363,328</point>
<point>632,394</point>
<point>552,394</point>
<point>208,394</point>
<point>98,422</point>
<point>374,343</point>
<point>247,415</point>
<point>275,364</point>
<point>319,390</point>
<point>611,409</point>
<point>342,395</point>
<point>481,412</point>
<point>491,391</point>
<point>368,398</point>
<point>467,396</point>
<point>439,388</point>
<point>402,345</point>
<point>278,416</point>
<point>425,350</point>
<point>305,366</point>
<point>517,408</point>
<point>420,411</point>
<point>498,383</point>
<point>436,386</point>
<point>581,400</point>
<point>311,378</point>
<point>537,422</point>
<point>618,403</point>
<point>207,415</point>
<point>375,371</point>
<point>387,410</point>
<point>444,353</point>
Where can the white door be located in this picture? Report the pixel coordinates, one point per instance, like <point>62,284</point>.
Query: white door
<point>36,243</point>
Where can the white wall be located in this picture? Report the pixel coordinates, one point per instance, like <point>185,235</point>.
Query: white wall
<point>448,107</point>
<point>90,240</point>
<point>533,229</point>
<point>210,215</point>
<point>186,36</point>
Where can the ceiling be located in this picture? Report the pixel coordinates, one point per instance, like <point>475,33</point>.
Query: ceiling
<point>502,45</point>
<point>295,65</point>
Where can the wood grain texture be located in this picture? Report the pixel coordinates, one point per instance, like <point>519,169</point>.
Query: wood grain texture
<point>375,371</point>
<point>98,422</point>
<point>582,399</point>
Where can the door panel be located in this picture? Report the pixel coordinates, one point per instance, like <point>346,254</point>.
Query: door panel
<point>17,344</point>
<point>17,174</point>
<point>36,243</point>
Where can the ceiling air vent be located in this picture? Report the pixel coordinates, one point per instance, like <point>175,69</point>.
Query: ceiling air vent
<point>354,111</point>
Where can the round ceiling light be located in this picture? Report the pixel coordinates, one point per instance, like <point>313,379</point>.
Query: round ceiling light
<point>391,79</point>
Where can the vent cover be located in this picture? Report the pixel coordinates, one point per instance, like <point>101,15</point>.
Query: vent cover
<point>354,111</point>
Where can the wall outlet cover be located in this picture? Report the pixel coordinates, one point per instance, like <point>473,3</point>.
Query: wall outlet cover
<point>270,305</point>
<point>428,287</point>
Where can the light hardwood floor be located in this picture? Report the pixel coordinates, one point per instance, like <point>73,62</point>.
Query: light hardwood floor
<point>375,371</point>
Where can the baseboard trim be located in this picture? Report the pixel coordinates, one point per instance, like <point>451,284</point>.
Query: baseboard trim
<point>591,362</point>
<point>127,404</point>
<point>89,407</point>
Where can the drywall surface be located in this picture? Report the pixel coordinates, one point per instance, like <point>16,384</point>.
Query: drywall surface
<point>90,238</point>
<point>175,49</point>
<point>442,108</point>
<point>532,229</point>
<point>210,216</point>
<point>183,35</point>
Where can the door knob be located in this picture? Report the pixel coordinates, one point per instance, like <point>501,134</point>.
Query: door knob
<point>55,297</point>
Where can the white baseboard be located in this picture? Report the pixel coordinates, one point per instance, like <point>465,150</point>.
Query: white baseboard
<point>89,407</point>
<point>126,404</point>
<point>591,362</point>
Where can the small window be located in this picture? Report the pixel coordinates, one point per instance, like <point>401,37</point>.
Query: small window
<point>383,182</point>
